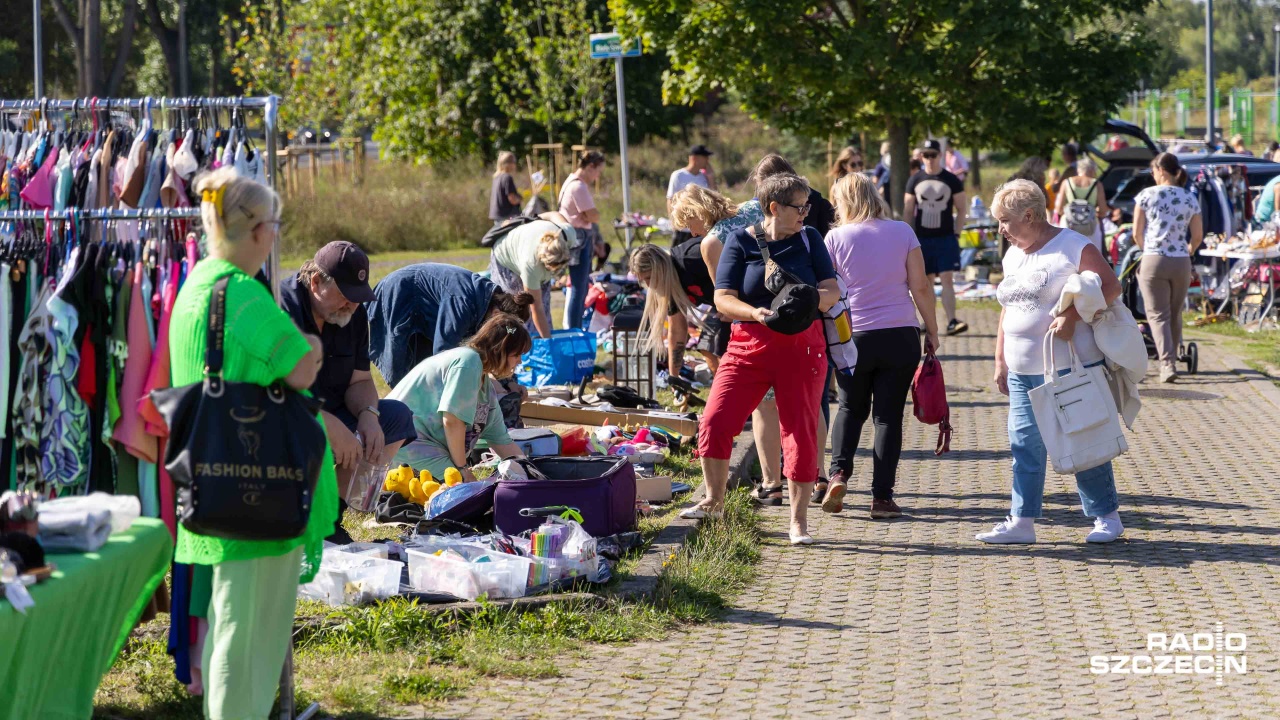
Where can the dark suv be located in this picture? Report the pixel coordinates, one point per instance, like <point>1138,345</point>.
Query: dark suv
<point>1128,170</point>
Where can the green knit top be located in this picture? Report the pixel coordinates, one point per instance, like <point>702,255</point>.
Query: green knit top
<point>262,346</point>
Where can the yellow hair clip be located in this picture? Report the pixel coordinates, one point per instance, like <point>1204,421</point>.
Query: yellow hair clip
<point>215,197</point>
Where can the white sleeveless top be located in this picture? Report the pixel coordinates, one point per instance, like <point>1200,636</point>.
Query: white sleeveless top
<point>1031,287</point>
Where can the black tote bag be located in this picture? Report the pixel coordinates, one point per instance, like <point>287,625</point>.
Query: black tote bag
<point>245,458</point>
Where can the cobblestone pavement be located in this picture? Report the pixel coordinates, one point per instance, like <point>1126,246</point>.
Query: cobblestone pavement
<point>914,618</point>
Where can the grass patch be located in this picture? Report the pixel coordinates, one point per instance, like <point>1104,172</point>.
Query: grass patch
<point>393,659</point>
<point>1260,350</point>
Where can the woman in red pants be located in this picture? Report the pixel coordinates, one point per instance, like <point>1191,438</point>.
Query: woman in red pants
<point>779,346</point>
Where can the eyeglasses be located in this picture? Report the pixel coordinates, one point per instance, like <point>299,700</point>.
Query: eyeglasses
<point>929,155</point>
<point>802,209</point>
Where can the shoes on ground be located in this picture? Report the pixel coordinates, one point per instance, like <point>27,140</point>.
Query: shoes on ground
<point>768,496</point>
<point>833,502</point>
<point>955,327</point>
<point>800,538</point>
<point>819,491</point>
<point>1168,373</point>
<point>1012,530</point>
<point>1106,529</point>
<point>885,509</point>
<point>698,512</point>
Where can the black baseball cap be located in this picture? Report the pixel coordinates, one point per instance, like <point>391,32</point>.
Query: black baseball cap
<point>931,144</point>
<point>700,150</point>
<point>347,264</point>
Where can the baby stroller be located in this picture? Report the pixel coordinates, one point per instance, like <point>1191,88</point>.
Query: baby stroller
<point>1131,296</point>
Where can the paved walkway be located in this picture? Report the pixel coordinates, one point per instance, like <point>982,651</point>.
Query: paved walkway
<point>913,618</point>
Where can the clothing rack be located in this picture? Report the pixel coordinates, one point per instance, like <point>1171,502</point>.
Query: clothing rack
<point>268,104</point>
<point>65,215</point>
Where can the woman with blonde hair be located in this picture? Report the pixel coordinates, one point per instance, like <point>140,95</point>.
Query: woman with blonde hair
<point>849,161</point>
<point>246,588</point>
<point>504,197</point>
<point>880,261</point>
<point>529,258</point>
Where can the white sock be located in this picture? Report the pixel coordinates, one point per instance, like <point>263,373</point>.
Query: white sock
<point>1113,515</point>
<point>1022,523</point>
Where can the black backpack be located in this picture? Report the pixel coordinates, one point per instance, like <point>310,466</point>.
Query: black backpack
<point>496,233</point>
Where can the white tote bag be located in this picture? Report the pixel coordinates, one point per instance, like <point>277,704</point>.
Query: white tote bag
<point>1076,415</point>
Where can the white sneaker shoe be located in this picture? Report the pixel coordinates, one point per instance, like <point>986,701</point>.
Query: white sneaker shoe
<point>1105,529</point>
<point>1012,530</point>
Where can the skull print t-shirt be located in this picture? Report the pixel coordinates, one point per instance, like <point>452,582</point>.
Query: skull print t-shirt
<point>1031,287</point>
<point>1169,210</point>
<point>934,195</point>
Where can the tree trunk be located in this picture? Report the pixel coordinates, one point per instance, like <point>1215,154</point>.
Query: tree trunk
<point>899,160</point>
<point>975,170</point>
<point>93,78</point>
<point>167,39</point>
<point>124,44</point>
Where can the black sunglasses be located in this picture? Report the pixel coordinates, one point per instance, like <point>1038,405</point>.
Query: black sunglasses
<point>929,155</point>
<point>802,209</point>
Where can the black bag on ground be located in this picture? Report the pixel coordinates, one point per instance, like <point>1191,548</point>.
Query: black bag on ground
<point>498,232</point>
<point>625,397</point>
<point>245,458</point>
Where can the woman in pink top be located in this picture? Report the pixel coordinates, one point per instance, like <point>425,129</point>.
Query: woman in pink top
<point>880,261</point>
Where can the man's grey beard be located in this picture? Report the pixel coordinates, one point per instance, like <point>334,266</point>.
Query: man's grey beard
<point>340,318</point>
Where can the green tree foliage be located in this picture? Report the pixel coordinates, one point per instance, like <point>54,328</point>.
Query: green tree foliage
<point>545,73</point>
<point>1034,73</point>
<point>1243,39</point>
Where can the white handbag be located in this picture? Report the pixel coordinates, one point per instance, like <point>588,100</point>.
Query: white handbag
<point>1076,414</point>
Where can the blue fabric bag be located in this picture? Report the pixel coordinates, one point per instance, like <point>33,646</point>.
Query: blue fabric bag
<point>565,358</point>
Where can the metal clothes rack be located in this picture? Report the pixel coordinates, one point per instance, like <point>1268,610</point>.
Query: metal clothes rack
<point>269,105</point>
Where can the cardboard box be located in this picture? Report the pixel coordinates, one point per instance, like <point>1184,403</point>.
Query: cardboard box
<point>543,415</point>
<point>653,489</point>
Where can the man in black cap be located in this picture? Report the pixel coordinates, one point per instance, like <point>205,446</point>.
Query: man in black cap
<point>927,206</point>
<point>326,299</point>
<point>697,172</point>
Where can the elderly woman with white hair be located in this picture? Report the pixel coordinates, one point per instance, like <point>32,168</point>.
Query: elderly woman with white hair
<point>1082,202</point>
<point>1040,259</point>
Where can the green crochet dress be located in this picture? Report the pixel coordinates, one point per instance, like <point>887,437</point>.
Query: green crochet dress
<point>262,346</point>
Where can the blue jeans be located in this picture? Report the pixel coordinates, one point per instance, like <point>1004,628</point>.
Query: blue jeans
<point>580,280</point>
<point>1097,486</point>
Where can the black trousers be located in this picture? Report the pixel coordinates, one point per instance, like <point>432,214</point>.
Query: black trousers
<point>878,387</point>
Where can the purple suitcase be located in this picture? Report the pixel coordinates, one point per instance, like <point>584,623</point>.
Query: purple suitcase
<point>603,489</point>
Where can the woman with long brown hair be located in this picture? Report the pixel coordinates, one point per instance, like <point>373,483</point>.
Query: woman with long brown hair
<point>848,161</point>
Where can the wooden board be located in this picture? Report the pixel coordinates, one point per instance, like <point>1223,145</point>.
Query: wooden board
<point>544,415</point>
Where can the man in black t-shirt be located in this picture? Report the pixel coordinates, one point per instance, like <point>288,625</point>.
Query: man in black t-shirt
<point>931,195</point>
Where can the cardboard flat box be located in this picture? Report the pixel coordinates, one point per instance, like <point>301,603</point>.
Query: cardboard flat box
<point>653,489</point>
<point>543,415</point>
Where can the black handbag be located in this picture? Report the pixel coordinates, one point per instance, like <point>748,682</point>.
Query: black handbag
<point>245,458</point>
<point>795,303</point>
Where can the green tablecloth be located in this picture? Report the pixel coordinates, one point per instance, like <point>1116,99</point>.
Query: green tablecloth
<point>52,658</point>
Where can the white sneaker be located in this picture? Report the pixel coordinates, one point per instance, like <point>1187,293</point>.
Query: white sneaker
<point>1168,373</point>
<point>1105,529</point>
<point>1012,530</point>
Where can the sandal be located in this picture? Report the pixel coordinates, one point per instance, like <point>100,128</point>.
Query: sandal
<point>768,496</point>
<point>819,492</point>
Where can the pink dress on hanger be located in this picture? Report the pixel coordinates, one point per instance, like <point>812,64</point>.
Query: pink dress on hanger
<point>158,378</point>
<point>131,431</point>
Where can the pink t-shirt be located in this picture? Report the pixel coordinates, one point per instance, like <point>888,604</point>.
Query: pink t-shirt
<point>575,199</point>
<point>871,259</point>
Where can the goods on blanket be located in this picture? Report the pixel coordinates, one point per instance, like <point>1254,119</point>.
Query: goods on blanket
<point>574,441</point>
<point>603,490</point>
<point>348,578</point>
<point>536,442</point>
<point>464,502</point>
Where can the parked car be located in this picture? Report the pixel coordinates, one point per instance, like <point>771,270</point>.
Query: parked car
<point>1128,170</point>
